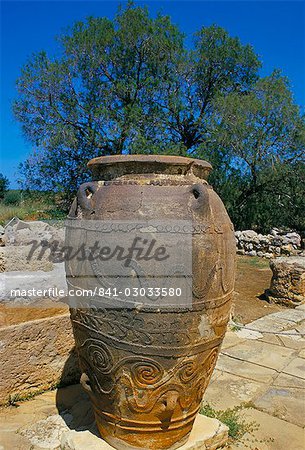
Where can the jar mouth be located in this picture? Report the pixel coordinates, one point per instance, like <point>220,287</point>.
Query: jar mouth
<point>109,167</point>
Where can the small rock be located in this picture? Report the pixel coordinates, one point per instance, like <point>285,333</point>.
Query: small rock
<point>263,239</point>
<point>268,255</point>
<point>249,246</point>
<point>240,251</point>
<point>277,241</point>
<point>294,238</point>
<point>287,249</point>
<point>274,231</point>
<point>249,235</point>
<point>46,434</point>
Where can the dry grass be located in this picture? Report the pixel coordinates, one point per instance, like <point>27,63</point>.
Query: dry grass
<point>35,207</point>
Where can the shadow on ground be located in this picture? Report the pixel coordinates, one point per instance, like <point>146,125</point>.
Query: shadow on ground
<point>72,401</point>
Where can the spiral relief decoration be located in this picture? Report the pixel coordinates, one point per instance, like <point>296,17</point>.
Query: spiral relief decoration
<point>99,355</point>
<point>188,371</point>
<point>147,372</point>
<point>212,362</point>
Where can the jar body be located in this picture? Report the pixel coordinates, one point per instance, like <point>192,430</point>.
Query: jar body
<point>146,370</point>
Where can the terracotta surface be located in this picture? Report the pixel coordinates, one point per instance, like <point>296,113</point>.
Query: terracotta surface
<point>145,370</point>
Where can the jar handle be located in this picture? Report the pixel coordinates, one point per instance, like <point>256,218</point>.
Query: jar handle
<point>84,194</point>
<point>200,196</point>
<point>85,383</point>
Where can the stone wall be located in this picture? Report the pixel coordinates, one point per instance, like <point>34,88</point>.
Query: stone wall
<point>35,356</point>
<point>277,243</point>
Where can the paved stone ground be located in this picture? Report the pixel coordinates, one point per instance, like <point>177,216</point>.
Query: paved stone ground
<point>261,369</point>
<point>37,425</point>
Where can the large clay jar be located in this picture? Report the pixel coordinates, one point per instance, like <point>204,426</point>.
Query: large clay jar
<point>146,370</point>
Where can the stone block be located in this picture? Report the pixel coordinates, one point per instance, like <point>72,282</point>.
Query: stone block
<point>36,355</point>
<point>288,281</point>
<point>207,434</point>
<point>268,355</point>
<point>284,403</point>
<point>17,258</point>
<point>19,232</point>
<point>13,282</point>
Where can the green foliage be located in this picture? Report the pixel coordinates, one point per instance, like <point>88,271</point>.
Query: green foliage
<point>97,97</point>
<point>277,199</point>
<point>131,85</point>
<point>12,198</point>
<point>263,134</point>
<point>230,417</point>
<point>4,184</point>
<point>34,206</point>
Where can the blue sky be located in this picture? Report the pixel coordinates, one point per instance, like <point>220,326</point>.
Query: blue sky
<point>276,29</point>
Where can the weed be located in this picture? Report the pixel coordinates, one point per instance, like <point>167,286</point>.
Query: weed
<point>235,327</point>
<point>235,323</point>
<point>230,417</point>
<point>14,399</point>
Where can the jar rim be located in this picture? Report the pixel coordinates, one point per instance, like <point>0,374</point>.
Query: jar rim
<point>182,165</point>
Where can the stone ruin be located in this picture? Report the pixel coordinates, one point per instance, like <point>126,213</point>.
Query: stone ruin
<point>288,281</point>
<point>287,262</point>
<point>36,331</point>
<point>276,243</point>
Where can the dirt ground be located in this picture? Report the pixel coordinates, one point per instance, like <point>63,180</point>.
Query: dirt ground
<point>252,278</point>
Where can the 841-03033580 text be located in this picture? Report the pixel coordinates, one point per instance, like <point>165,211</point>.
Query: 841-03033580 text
<point>140,292</point>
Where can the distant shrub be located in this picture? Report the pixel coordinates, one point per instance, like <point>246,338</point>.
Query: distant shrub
<point>4,183</point>
<point>12,198</point>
